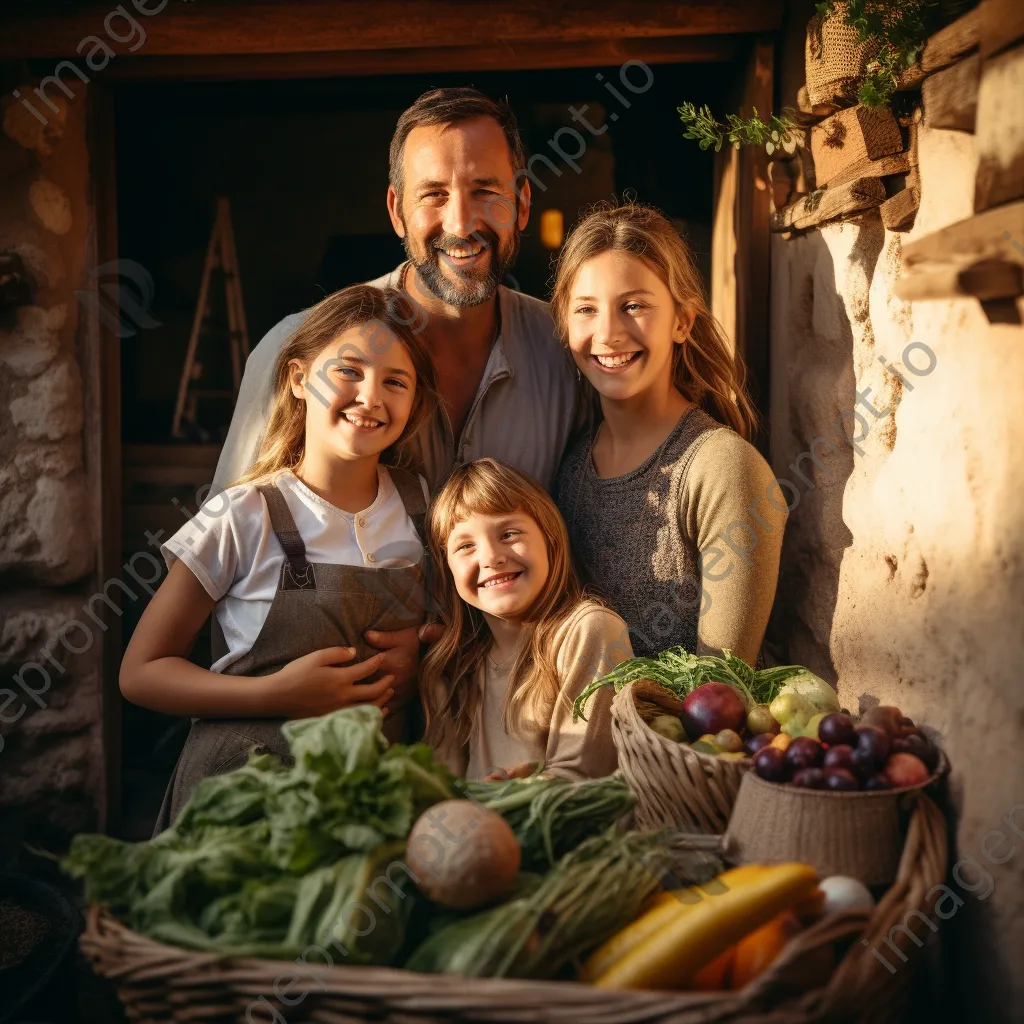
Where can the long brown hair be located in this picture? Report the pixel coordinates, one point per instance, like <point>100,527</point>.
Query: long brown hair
<point>704,368</point>
<point>362,306</point>
<point>489,487</point>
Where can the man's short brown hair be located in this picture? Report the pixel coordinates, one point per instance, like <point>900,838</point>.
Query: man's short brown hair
<point>451,106</point>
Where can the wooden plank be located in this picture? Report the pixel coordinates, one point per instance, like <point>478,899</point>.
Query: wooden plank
<point>898,163</point>
<point>752,258</point>
<point>1000,130</point>
<point>950,96</point>
<point>827,204</point>
<point>203,455</point>
<point>985,281</point>
<point>951,43</point>
<point>1002,25</point>
<point>996,234</point>
<point>102,372</point>
<point>850,136</point>
<point>427,60</point>
<point>899,211</point>
<point>317,26</point>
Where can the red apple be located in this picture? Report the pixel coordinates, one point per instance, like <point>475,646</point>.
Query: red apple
<point>712,707</point>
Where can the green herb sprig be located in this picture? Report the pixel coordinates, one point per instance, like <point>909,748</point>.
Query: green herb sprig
<point>775,133</point>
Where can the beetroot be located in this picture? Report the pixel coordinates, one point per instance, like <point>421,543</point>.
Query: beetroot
<point>712,707</point>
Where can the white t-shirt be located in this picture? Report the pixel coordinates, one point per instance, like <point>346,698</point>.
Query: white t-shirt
<point>231,548</point>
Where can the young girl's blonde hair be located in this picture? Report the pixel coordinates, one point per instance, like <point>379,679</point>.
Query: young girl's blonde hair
<point>381,313</point>
<point>704,368</point>
<point>489,487</point>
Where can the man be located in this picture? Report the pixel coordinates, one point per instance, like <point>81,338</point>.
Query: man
<point>458,198</point>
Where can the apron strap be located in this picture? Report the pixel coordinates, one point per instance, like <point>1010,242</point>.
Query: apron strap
<point>283,525</point>
<point>410,490</point>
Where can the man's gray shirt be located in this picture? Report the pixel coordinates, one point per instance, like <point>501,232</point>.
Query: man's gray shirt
<point>522,413</point>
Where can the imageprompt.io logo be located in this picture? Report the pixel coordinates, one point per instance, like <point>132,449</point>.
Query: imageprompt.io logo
<point>121,299</point>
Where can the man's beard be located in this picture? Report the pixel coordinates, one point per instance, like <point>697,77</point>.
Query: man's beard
<point>466,288</point>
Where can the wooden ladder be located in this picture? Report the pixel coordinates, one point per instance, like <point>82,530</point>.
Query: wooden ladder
<point>220,255</point>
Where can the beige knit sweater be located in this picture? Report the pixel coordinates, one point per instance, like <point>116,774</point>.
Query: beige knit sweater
<point>593,640</point>
<point>685,547</point>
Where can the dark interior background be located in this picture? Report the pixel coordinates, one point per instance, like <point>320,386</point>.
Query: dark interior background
<point>305,166</point>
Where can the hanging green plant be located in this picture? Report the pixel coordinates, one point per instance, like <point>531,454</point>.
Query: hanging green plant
<point>900,27</point>
<point>775,133</point>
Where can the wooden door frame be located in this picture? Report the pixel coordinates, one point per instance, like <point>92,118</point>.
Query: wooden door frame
<point>105,379</point>
<point>740,239</point>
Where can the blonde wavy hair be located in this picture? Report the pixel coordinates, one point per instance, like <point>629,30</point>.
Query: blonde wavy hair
<point>704,368</point>
<point>450,700</point>
<point>360,307</point>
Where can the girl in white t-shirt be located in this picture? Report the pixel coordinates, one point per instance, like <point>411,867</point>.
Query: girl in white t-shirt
<point>320,542</point>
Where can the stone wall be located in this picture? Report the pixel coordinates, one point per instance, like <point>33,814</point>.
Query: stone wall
<point>903,566</point>
<point>50,680</point>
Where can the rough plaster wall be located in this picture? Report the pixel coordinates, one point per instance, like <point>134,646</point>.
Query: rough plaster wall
<point>50,747</point>
<point>903,568</point>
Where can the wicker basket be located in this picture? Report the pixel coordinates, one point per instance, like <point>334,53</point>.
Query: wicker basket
<point>674,785</point>
<point>857,834</point>
<point>165,983</point>
<point>835,62</point>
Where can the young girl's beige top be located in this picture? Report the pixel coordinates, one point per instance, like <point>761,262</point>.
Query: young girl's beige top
<point>593,640</point>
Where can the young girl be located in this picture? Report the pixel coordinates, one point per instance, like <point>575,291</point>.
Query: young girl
<point>318,543</point>
<point>674,515</point>
<point>520,640</point>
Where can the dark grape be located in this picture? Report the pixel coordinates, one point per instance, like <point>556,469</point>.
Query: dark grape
<point>837,728</point>
<point>810,778</point>
<point>758,742</point>
<point>804,752</point>
<point>841,779</point>
<point>877,782</point>
<point>770,764</point>
<point>839,756</point>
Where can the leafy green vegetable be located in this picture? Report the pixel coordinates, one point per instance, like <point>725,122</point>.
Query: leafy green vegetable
<point>815,689</point>
<point>681,672</point>
<point>263,860</point>
<point>550,817</point>
<point>590,894</point>
<point>702,126</point>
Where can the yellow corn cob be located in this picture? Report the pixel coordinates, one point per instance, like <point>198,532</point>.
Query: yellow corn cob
<point>688,940</point>
<point>664,907</point>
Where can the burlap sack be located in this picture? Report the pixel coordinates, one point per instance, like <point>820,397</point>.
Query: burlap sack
<point>834,61</point>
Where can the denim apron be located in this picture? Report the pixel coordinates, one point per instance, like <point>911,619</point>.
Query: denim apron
<point>316,605</point>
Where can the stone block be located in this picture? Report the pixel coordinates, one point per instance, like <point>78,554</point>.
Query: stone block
<point>34,341</point>
<point>50,203</point>
<point>59,513</point>
<point>51,408</point>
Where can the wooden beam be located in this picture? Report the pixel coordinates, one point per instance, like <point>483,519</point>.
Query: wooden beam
<point>985,281</point>
<point>945,47</point>
<point>899,211</point>
<point>511,56</point>
<point>999,137</point>
<point>996,234</point>
<point>317,26</point>
<point>950,96</point>
<point>951,43</point>
<point>1002,25</point>
<point>828,204</point>
<point>847,138</point>
<point>898,163</point>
